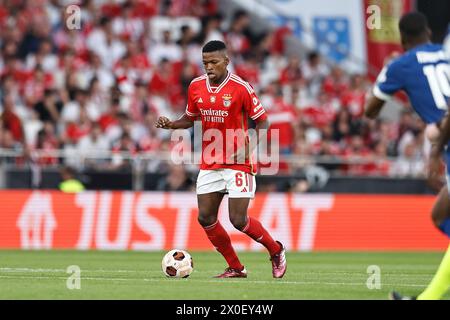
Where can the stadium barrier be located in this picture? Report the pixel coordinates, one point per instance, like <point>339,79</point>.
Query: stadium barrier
<point>109,220</point>
<point>16,178</point>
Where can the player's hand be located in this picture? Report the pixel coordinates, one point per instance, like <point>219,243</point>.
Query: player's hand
<point>241,156</point>
<point>164,123</point>
<point>239,159</point>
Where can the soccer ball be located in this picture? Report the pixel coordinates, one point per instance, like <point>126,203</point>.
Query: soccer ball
<point>177,264</point>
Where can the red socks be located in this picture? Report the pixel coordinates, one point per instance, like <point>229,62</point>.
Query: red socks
<point>221,240</point>
<point>256,231</point>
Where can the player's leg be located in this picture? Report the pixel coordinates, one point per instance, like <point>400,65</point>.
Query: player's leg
<point>249,225</point>
<point>208,205</point>
<point>441,280</point>
<point>209,196</point>
<point>241,188</point>
<point>441,211</point>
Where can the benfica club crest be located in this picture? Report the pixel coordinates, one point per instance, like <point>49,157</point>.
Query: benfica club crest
<point>226,100</point>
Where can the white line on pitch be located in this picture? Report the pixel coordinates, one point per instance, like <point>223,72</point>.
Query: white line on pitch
<point>278,282</point>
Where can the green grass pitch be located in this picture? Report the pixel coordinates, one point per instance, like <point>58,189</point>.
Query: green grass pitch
<point>138,275</point>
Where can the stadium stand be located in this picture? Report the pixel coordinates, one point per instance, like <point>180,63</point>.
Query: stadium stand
<point>89,97</point>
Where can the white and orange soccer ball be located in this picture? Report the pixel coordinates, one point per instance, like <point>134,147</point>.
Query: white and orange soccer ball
<point>177,264</point>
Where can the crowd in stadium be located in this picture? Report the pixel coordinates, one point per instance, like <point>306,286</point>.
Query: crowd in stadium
<point>102,86</point>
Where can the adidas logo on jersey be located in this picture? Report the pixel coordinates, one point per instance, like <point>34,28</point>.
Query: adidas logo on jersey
<point>200,100</point>
<point>244,190</point>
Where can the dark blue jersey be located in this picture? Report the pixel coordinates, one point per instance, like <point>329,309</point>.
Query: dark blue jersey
<point>424,74</point>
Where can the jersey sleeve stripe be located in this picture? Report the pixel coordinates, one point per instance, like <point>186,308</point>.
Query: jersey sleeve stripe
<point>380,94</point>
<point>241,82</point>
<point>244,83</point>
<point>256,116</point>
<point>199,78</point>
<point>191,114</point>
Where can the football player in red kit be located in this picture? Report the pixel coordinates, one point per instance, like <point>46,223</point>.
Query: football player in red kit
<point>224,102</point>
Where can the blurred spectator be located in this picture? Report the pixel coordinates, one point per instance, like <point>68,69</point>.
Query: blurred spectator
<point>38,30</point>
<point>237,37</point>
<point>36,84</point>
<point>292,72</point>
<point>282,117</point>
<point>176,180</point>
<point>123,150</point>
<point>79,128</point>
<point>109,121</point>
<point>354,97</point>
<point>166,50</point>
<point>69,182</point>
<point>97,71</point>
<point>336,82</point>
<point>149,137</point>
<point>43,57</point>
<point>92,146</point>
<point>187,36</point>
<point>72,110</point>
<point>105,43</point>
<point>409,162</point>
<point>298,186</point>
<point>249,70</point>
<point>97,96</point>
<point>10,121</point>
<point>127,25</point>
<point>210,29</point>
<point>49,108</point>
<point>48,144</point>
<point>314,71</point>
<point>7,140</point>
<point>184,71</point>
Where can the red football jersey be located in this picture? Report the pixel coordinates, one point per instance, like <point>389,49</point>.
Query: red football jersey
<point>224,111</point>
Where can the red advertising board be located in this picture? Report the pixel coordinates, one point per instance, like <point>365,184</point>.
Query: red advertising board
<point>156,221</point>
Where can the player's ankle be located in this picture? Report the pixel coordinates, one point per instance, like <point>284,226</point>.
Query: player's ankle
<point>279,249</point>
<point>237,268</point>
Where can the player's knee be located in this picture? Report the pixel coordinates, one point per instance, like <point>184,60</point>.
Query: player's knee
<point>437,218</point>
<point>439,213</point>
<point>206,220</point>
<point>238,222</point>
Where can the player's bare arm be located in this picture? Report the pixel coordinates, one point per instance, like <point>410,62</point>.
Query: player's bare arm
<point>444,135</point>
<point>261,129</point>
<point>183,123</point>
<point>374,104</point>
<point>373,107</point>
<point>439,137</point>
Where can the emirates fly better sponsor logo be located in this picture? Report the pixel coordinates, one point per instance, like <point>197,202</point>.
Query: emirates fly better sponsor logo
<point>212,115</point>
<point>234,146</point>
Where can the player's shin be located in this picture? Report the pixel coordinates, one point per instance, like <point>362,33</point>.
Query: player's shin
<point>257,232</point>
<point>441,281</point>
<point>222,242</point>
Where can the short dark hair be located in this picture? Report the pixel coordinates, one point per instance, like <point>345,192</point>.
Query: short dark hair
<point>313,55</point>
<point>239,14</point>
<point>413,24</point>
<point>184,28</point>
<point>214,45</point>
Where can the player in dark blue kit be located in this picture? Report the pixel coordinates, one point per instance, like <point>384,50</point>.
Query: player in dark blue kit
<point>423,72</point>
